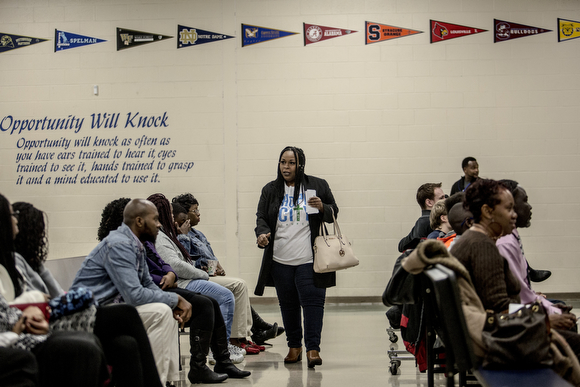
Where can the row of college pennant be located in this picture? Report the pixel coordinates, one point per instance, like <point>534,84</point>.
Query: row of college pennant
<point>251,34</point>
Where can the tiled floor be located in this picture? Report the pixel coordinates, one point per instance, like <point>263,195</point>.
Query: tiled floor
<point>354,352</point>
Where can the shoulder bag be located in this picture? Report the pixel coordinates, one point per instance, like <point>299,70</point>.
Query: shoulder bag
<point>519,340</point>
<point>332,252</point>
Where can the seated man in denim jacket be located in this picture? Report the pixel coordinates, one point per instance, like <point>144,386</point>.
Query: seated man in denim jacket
<point>116,271</point>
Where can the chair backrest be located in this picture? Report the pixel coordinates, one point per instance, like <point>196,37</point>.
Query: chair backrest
<point>444,307</point>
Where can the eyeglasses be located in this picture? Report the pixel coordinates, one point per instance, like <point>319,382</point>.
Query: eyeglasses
<point>196,212</point>
<point>15,214</point>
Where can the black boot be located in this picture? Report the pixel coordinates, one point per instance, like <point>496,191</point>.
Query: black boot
<point>538,275</point>
<point>199,372</point>
<point>219,347</point>
<point>262,330</point>
<point>260,337</point>
<point>257,323</point>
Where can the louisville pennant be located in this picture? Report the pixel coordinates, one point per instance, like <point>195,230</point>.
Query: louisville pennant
<point>131,38</point>
<point>65,40</point>
<point>189,36</point>
<point>254,34</point>
<point>568,30</point>
<point>505,30</point>
<point>445,31</point>
<point>314,33</point>
<point>12,42</point>
<point>376,32</point>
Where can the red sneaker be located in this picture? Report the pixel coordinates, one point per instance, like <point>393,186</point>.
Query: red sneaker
<point>249,349</point>
<point>254,345</point>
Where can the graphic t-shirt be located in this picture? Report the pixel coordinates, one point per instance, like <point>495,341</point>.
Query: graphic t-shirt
<point>292,243</point>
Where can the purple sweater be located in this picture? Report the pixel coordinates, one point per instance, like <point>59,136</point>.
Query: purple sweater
<point>157,266</point>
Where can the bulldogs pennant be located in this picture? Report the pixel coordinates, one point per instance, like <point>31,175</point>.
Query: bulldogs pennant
<point>255,34</point>
<point>12,42</point>
<point>376,32</point>
<point>189,36</point>
<point>66,40</point>
<point>568,30</point>
<point>444,31</point>
<point>131,38</point>
<point>314,33</point>
<point>504,30</point>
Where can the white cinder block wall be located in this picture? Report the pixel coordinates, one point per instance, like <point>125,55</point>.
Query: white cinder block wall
<point>376,121</point>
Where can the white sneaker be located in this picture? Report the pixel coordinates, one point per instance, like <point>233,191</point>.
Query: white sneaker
<point>237,349</point>
<point>210,358</point>
<point>236,356</point>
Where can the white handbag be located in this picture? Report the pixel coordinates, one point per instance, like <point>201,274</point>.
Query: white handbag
<point>332,252</point>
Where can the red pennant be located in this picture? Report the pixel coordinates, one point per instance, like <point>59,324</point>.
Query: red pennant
<point>445,31</point>
<point>314,33</point>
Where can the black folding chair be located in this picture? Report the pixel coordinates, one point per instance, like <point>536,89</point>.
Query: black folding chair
<point>446,317</point>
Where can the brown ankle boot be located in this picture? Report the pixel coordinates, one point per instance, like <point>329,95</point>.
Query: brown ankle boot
<point>294,355</point>
<point>313,358</point>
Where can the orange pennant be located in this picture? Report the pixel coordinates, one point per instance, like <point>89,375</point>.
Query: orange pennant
<point>376,32</point>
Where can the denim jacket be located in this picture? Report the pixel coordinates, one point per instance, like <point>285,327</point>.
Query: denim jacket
<point>117,267</point>
<point>198,247</point>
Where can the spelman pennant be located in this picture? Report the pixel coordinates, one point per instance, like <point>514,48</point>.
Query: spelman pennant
<point>65,40</point>
<point>445,31</point>
<point>11,42</point>
<point>131,38</point>
<point>504,30</point>
<point>314,33</point>
<point>189,36</point>
<point>376,32</point>
<point>568,30</point>
<point>254,34</point>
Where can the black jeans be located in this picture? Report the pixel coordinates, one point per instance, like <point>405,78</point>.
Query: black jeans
<point>206,312</point>
<point>126,346</point>
<point>71,359</point>
<point>297,294</point>
<point>18,368</point>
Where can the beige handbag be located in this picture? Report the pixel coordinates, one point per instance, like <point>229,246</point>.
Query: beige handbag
<point>332,252</point>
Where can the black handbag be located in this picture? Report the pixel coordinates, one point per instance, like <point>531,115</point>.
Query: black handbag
<point>520,340</point>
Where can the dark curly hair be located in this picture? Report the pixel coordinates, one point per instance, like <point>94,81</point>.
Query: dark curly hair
<point>186,200</point>
<point>510,184</point>
<point>112,217</point>
<point>31,241</point>
<point>298,180</point>
<point>482,191</point>
<point>178,209</point>
<point>7,244</point>
<point>167,223</point>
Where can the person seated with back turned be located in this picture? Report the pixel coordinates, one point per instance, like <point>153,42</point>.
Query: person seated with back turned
<point>116,272</point>
<point>207,328</point>
<point>427,195</point>
<point>200,250</point>
<point>438,222</point>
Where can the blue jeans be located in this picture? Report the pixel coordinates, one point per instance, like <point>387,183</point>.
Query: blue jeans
<point>223,296</point>
<point>298,295</point>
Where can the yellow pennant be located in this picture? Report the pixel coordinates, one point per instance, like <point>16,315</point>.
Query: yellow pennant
<point>568,29</point>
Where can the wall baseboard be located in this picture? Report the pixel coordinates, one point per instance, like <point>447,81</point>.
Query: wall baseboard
<point>329,300</point>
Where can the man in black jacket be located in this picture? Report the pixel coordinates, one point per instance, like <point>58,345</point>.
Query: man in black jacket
<point>471,174</point>
<point>427,195</point>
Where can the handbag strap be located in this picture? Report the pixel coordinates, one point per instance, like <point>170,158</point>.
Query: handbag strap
<point>335,226</point>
